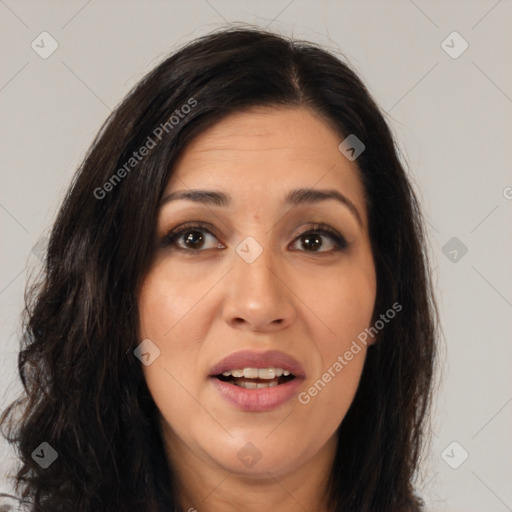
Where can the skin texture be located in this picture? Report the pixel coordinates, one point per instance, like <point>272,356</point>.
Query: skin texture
<point>199,308</point>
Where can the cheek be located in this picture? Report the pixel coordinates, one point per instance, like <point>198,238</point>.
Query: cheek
<point>347,309</point>
<point>346,304</point>
<point>330,392</point>
<point>166,298</point>
<point>160,309</point>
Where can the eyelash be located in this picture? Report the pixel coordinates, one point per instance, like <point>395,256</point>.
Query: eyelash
<point>321,229</point>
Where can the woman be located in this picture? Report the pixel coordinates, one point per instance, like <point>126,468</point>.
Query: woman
<point>236,310</point>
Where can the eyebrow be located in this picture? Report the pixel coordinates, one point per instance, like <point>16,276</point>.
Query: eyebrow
<point>296,197</point>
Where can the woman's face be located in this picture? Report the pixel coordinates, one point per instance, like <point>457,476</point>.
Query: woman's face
<point>261,273</point>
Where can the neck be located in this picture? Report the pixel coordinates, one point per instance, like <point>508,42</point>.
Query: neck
<point>205,486</point>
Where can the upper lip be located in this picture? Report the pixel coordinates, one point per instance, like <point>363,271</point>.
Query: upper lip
<point>251,359</point>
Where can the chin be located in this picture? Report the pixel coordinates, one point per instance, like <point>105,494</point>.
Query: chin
<point>257,456</point>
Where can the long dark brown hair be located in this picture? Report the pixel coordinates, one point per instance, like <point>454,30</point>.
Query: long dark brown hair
<point>84,391</point>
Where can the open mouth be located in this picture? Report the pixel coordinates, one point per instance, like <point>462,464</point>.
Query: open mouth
<point>246,387</point>
<point>255,383</point>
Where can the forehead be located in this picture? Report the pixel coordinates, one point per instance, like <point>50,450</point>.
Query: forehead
<point>263,153</point>
<point>292,132</point>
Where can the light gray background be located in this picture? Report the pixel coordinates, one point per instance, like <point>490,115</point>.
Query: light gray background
<point>452,119</point>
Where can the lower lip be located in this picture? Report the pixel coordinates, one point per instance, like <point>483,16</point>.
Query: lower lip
<point>257,400</point>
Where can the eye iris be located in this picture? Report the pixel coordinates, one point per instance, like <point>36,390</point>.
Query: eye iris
<point>313,241</point>
<point>196,241</point>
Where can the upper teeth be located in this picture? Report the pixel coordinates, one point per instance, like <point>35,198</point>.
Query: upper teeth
<point>257,373</point>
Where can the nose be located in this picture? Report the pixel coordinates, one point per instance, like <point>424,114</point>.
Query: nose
<point>259,294</point>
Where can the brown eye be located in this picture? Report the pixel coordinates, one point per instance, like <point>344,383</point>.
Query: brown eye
<point>194,239</point>
<point>313,240</point>
<point>190,238</point>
